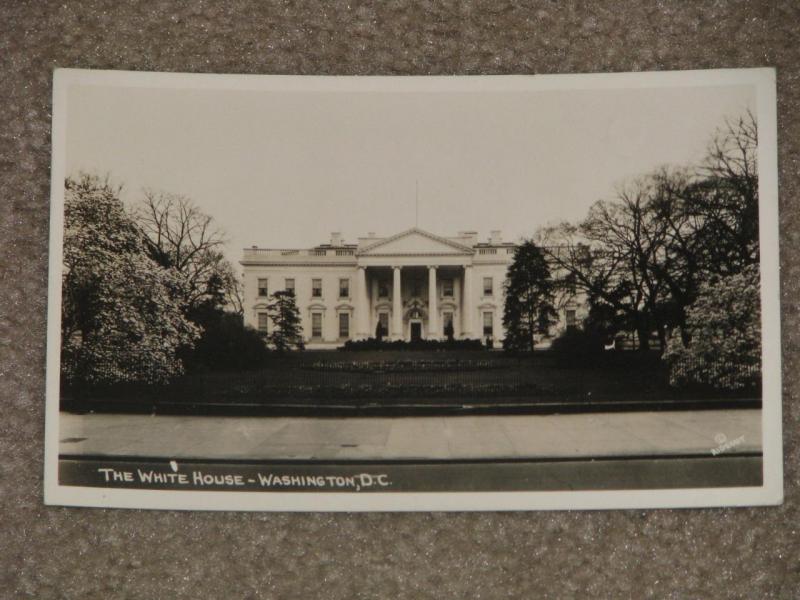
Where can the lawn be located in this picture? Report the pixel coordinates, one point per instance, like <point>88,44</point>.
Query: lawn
<point>420,382</point>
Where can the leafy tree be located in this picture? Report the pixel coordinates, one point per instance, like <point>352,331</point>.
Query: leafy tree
<point>603,321</point>
<point>529,310</point>
<point>285,317</point>
<point>724,323</point>
<point>122,314</point>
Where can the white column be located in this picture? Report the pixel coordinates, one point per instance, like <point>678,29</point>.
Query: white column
<point>467,316</point>
<point>397,307</point>
<point>433,308</point>
<point>373,298</point>
<point>457,296</point>
<point>362,304</point>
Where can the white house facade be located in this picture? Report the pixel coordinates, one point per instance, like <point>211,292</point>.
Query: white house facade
<point>414,284</point>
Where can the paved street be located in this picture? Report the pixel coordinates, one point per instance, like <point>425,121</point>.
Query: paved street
<point>666,433</point>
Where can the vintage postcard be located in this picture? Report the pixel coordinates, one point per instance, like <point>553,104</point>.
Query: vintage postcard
<point>414,293</point>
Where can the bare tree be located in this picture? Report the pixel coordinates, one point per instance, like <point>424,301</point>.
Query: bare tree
<point>611,253</point>
<point>646,252</point>
<point>234,292</point>
<point>727,197</point>
<point>732,155</point>
<point>180,236</point>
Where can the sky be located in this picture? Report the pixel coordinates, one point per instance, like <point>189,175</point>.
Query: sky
<point>281,169</point>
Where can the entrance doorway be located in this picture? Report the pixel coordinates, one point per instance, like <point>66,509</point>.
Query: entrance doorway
<point>416,331</point>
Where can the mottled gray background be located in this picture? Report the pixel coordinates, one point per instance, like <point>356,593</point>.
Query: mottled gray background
<point>87,554</point>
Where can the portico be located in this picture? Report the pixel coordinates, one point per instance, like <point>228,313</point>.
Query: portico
<point>402,297</point>
<point>415,284</point>
<point>428,277</point>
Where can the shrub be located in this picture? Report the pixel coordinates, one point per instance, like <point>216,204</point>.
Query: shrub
<point>724,324</point>
<point>406,365</point>
<point>226,344</point>
<point>578,343</point>
<point>449,331</point>
<point>376,344</point>
<point>384,390</point>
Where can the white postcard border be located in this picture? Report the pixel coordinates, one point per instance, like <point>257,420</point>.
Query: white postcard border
<point>771,492</point>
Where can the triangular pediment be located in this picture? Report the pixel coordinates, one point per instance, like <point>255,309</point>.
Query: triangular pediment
<point>415,242</point>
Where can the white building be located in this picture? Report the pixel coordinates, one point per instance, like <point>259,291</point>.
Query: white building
<point>413,283</point>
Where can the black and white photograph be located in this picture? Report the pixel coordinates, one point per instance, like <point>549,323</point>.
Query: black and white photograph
<point>414,293</point>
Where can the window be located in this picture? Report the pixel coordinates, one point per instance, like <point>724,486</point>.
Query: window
<point>447,288</point>
<point>344,325</point>
<point>263,323</point>
<point>488,323</point>
<point>316,288</point>
<point>383,319</point>
<point>572,320</point>
<point>488,286</point>
<point>289,285</point>
<point>263,289</point>
<point>344,288</point>
<point>383,289</point>
<point>316,325</point>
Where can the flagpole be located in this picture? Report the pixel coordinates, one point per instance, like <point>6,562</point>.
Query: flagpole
<point>416,193</point>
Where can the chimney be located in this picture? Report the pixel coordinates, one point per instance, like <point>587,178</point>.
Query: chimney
<point>336,238</point>
<point>496,237</point>
<point>470,238</point>
<point>371,234</point>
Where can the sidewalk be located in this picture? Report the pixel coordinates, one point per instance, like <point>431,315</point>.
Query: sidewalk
<point>634,434</point>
